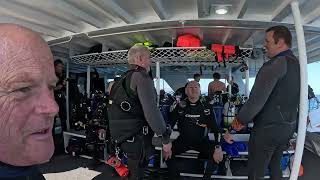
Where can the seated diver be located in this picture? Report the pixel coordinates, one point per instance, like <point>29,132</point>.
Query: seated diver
<point>194,116</point>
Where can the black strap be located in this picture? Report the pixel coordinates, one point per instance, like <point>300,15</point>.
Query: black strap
<point>132,137</point>
<point>238,53</point>
<point>126,84</point>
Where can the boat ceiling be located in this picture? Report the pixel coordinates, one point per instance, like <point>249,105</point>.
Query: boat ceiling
<point>72,27</point>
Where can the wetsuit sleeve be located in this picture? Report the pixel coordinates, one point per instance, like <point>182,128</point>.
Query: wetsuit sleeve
<point>60,82</point>
<point>174,116</point>
<point>143,85</point>
<point>265,82</point>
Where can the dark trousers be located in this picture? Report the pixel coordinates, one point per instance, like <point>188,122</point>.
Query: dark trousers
<point>218,111</point>
<point>138,153</point>
<point>62,112</point>
<point>266,146</point>
<point>203,146</point>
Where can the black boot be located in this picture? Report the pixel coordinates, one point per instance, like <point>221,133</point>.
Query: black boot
<point>211,167</point>
<point>222,170</point>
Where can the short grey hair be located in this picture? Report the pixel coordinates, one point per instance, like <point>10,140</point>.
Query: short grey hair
<point>194,82</point>
<point>136,51</point>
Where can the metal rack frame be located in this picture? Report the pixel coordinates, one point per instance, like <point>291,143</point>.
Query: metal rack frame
<point>183,56</point>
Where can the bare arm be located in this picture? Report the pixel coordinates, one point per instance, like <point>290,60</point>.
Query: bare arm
<point>209,89</point>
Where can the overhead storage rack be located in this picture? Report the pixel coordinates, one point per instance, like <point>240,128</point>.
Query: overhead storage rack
<point>166,56</point>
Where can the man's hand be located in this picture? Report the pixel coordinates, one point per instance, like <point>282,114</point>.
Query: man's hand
<point>58,87</point>
<point>228,138</point>
<point>166,150</point>
<point>218,155</point>
<point>236,125</point>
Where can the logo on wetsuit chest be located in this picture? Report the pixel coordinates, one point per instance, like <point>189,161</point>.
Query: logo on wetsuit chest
<point>206,112</point>
<point>192,115</point>
<point>194,119</point>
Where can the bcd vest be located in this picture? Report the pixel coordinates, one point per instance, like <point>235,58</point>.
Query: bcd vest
<point>126,117</point>
<point>282,104</point>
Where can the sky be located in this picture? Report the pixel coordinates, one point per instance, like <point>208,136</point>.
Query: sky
<point>313,80</point>
<point>314,77</point>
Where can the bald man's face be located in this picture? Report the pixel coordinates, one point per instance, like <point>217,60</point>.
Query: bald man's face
<point>27,104</point>
<point>193,90</point>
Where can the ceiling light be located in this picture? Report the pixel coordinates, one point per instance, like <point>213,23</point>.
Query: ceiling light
<point>221,10</point>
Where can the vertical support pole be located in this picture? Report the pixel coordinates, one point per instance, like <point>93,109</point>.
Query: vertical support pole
<point>230,79</point>
<point>67,97</point>
<point>162,84</point>
<point>88,82</point>
<point>158,81</point>
<point>105,80</point>
<point>71,53</point>
<point>303,109</point>
<point>247,91</point>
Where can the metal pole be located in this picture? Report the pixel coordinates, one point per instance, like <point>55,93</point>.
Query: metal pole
<point>67,98</point>
<point>247,91</point>
<point>303,109</point>
<point>105,80</point>
<point>158,81</point>
<point>163,84</point>
<point>230,79</point>
<point>88,82</point>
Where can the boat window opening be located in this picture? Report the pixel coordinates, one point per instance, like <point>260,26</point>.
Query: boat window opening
<point>164,85</point>
<point>251,82</point>
<point>313,77</point>
<point>204,83</point>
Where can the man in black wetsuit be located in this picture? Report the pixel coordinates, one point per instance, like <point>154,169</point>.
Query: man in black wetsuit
<point>195,118</point>
<point>134,115</point>
<point>27,104</point>
<point>234,87</point>
<point>272,105</point>
<point>60,93</point>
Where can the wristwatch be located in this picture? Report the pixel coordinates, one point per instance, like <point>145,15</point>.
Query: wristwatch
<point>217,147</point>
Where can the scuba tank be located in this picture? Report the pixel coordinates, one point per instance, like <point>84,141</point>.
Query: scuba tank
<point>229,111</point>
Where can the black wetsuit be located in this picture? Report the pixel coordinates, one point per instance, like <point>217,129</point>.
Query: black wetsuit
<point>9,172</point>
<point>234,88</point>
<point>191,117</point>
<point>273,107</point>
<point>60,97</point>
<point>126,126</point>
